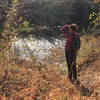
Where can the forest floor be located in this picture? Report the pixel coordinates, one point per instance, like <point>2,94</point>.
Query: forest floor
<point>31,80</point>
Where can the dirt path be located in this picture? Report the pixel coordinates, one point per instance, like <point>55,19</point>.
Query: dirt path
<point>90,77</point>
<point>88,89</point>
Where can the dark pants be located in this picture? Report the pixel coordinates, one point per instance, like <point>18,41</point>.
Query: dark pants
<point>71,62</point>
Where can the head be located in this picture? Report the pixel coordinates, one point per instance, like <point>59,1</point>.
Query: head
<point>66,29</point>
<point>74,27</point>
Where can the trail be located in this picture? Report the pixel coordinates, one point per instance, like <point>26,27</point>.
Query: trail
<point>88,89</point>
<point>90,77</point>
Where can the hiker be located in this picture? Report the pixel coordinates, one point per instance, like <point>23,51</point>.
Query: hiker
<point>71,48</point>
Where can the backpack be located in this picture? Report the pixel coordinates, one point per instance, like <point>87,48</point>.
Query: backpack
<point>76,43</point>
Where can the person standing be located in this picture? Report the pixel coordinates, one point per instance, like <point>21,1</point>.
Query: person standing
<point>72,46</point>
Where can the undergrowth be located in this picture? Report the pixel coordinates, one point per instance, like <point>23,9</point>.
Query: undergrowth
<point>45,80</point>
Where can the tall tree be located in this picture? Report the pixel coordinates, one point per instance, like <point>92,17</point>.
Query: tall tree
<point>80,12</point>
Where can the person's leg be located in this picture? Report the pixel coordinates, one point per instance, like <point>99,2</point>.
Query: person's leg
<point>68,59</point>
<point>74,72</point>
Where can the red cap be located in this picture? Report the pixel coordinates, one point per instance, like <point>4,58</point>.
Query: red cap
<point>63,28</point>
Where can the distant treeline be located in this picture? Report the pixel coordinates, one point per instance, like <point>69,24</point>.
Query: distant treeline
<point>52,13</point>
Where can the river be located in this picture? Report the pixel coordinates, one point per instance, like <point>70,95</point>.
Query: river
<point>26,48</point>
